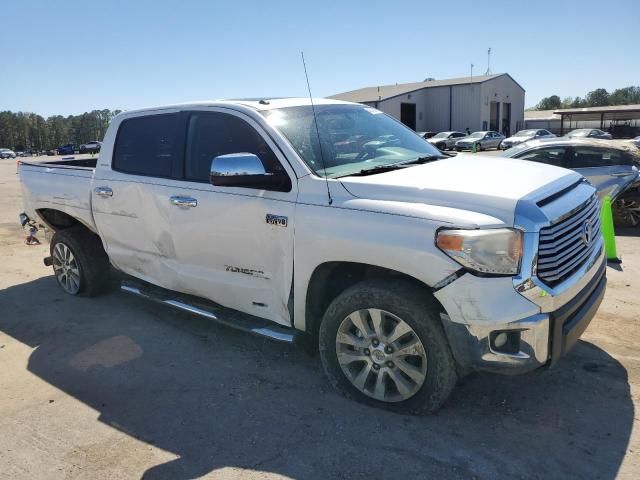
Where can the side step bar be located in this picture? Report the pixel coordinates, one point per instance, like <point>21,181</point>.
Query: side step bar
<point>231,318</point>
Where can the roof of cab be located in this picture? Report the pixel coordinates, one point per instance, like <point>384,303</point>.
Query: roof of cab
<point>259,104</point>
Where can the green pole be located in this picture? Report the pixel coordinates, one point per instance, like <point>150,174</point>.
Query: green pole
<point>608,232</point>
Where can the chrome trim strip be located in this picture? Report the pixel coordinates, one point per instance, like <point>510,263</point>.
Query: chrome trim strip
<point>280,336</point>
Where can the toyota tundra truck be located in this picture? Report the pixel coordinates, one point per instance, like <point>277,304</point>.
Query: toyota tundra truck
<point>331,225</point>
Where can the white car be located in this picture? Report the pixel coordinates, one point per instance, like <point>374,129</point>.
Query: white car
<point>524,136</point>
<point>6,153</point>
<point>335,226</point>
<point>446,140</point>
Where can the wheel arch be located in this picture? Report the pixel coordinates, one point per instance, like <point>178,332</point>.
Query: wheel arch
<point>56,220</point>
<point>329,279</point>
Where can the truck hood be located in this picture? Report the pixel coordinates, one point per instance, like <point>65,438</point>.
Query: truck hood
<point>490,186</point>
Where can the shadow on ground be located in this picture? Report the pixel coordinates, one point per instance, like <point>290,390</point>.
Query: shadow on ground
<point>219,398</point>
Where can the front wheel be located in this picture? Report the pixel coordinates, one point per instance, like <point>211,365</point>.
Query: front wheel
<point>382,343</point>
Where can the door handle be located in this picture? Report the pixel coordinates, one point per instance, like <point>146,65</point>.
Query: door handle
<point>181,201</point>
<point>621,174</point>
<point>104,192</point>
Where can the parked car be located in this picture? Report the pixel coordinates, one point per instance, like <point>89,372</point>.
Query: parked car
<point>446,140</point>
<point>525,136</point>
<point>589,133</point>
<point>481,141</point>
<point>635,141</point>
<point>426,135</point>
<point>610,166</point>
<point>7,153</point>
<point>91,147</point>
<point>463,277</point>
<point>68,149</point>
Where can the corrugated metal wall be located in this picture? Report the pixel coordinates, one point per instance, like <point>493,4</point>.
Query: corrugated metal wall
<point>466,107</point>
<point>436,116</point>
<point>504,90</point>
<point>470,105</point>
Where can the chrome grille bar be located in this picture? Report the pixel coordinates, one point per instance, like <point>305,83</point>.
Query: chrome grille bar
<point>562,249</point>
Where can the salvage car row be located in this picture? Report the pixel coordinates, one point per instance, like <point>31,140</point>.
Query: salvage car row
<point>484,140</point>
<point>66,149</point>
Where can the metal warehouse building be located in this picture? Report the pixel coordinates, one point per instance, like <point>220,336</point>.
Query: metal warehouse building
<point>486,102</point>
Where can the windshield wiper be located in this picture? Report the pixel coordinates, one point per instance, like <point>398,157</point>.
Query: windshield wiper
<point>393,166</point>
<point>425,159</point>
<point>376,169</point>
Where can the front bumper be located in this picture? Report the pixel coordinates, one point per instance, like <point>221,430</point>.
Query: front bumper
<point>541,339</point>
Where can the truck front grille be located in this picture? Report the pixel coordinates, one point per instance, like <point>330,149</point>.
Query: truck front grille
<point>568,242</point>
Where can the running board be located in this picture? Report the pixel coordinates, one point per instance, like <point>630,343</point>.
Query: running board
<point>225,316</point>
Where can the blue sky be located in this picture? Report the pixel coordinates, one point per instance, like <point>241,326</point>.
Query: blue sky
<point>68,57</point>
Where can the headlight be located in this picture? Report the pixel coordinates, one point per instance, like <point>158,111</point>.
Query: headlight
<point>492,251</point>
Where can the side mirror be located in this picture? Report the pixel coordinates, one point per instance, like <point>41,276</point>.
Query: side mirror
<point>245,170</point>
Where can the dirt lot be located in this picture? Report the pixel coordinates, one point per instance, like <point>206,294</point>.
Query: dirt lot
<point>114,387</point>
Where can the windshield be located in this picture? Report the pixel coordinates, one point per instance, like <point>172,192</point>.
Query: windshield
<point>353,138</point>
<point>441,135</point>
<point>476,135</point>
<point>525,133</point>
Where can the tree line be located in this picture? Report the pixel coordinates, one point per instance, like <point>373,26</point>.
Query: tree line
<point>25,131</point>
<point>599,97</point>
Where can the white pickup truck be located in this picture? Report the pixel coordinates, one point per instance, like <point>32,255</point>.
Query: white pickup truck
<point>337,226</point>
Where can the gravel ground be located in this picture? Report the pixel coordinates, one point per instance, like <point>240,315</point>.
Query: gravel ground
<point>115,387</point>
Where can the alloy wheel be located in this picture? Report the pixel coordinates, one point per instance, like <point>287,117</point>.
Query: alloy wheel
<point>381,355</point>
<point>66,268</point>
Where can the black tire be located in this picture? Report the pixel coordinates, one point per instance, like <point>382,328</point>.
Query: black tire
<point>478,147</point>
<point>96,274</point>
<point>414,306</point>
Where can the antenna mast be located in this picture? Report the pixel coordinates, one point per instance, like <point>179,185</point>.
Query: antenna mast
<point>488,72</point>
<point>315,121</point>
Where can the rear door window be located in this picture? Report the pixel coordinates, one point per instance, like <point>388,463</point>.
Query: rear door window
<point>550,156</point>
<point>590,157</point>
<point>150,145</point>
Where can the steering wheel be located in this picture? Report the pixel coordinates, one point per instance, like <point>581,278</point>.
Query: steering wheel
<point>370,148</point>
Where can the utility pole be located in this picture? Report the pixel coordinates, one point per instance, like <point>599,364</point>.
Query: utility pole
<point>472,73</point>
<point>488,72</point>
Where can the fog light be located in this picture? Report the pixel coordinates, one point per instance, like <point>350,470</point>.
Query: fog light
<point>505,341</point>
<point>500,340</point>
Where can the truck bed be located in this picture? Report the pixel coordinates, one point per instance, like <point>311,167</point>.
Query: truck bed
<point>63,185</point>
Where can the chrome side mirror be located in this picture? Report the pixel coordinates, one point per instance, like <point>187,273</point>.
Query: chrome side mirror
<point>245,170</point>
<point>236,165</point>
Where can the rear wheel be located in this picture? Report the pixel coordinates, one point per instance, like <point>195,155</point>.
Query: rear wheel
<point>80,264</point>
<point>381,343</point>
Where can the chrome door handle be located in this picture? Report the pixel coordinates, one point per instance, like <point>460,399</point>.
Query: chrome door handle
<point>180,201</point>
<point>621,174</point>
<point>104,192</point>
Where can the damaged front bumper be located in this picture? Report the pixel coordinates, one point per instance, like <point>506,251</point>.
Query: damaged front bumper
<point>492,325</point>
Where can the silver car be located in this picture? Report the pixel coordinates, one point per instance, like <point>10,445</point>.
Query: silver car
<point>611,167</point>
<point>6,153</point>
<point>480,140</point>
<point>446,140</point>
<point>589,133</point>
<point>525,136</point>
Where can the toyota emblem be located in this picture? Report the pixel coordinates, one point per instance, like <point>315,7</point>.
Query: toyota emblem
<point>587,232</point>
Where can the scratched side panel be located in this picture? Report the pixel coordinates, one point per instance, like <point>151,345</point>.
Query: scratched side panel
<point>67,190</point>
